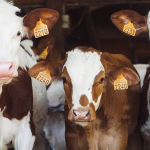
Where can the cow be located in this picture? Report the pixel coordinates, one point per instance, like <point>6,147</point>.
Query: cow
<point>96,115</point>
<point>141,24</point>
<point>23,102</point>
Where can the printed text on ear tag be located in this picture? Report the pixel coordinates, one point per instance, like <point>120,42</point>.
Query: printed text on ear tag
<point>120,83</point>
<point>44,77</point>
<point>129,29</point>
<point>41,29</point>
<point>44,54</point>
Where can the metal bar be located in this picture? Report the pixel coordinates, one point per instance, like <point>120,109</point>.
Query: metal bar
<point>29,5</point>
<point>105,3</point>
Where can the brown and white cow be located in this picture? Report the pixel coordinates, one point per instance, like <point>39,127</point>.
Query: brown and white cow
<point>141,24</point>
<point>23,100</point>
<point>96,115</point>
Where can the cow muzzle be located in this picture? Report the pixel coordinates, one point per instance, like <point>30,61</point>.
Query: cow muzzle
<point>6,70</point>
<point>81,115</point>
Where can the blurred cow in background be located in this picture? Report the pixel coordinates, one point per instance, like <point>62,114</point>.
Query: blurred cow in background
<point>55,125</point>
<point>141,24</point>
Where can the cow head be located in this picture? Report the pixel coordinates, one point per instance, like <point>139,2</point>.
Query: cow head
<point>123,17</point>
<point>12,29</point>
<point>85,72</point>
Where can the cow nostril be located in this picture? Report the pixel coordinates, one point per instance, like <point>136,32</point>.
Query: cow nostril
<point>10,66</point>
<point>74,113</point>
<point>88,113</point>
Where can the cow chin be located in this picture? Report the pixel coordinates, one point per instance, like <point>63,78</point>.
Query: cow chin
<point>5,81</point>
<point>83,123</point>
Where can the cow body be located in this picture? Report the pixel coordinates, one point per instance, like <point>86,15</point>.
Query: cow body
<point>97,117</point>
<point>18,101</point>
<point>23,101</point>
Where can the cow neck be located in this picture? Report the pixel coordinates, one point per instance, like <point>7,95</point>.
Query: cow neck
<point>16,98</point>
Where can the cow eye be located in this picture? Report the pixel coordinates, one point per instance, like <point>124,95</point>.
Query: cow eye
<point>101,80</point>
<point>19,33</point>
<point>64,80</point>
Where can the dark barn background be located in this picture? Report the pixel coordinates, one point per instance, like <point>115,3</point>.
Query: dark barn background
<point>87,23</point>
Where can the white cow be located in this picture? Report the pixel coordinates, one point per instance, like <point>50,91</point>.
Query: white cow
<point>55,123</point>
<point>22,112</point>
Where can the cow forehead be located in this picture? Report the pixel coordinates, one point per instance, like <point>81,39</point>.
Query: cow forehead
<point>7,7</point>
<point>7,14</point>
<point>82,68</point>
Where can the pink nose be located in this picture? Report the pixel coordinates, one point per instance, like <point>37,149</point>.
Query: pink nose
<point>81,115</point>
<point>6,69</point>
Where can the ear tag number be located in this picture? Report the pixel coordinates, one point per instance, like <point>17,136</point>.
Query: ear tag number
<point>41,29</point>
<point>129,29</point>
<point>44,54</point>
<point>120,83</point>
<point>44,77</point>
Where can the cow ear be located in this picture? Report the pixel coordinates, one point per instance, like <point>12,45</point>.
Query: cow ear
<point>123,17</point>
<point>113,66</point>
<point>48,17</point>
<point>43,44</point>
<point>130,75</point>
<point>41,66</point>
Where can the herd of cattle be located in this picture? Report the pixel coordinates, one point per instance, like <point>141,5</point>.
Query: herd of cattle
<point>81,108</point>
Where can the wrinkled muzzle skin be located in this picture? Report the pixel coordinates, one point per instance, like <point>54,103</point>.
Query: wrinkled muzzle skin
<point>11,31</point>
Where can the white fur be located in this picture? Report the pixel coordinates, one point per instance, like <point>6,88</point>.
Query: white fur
<point>17,131</point>
<point>10,51</point>
<point>82,68</point>
<point>141,69</point>
<point>56,94</point>
<point>148,22</point>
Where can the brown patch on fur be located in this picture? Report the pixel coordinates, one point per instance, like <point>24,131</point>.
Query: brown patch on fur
<point>123,17</point>
<point>92,106</point>
<point>67,87</point>
<point>97,88</point>
<point>17,98</point>
<point>48,17</point>
<point>84,100</point>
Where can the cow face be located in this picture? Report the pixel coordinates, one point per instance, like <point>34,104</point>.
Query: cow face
<point>123,17</point>
<point>12,29</point>
<point>84,71</point>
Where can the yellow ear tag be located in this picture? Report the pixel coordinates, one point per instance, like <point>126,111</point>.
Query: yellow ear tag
<point>129,29</point>
<point>44,77</point>
<point>41,29</point>
<point>44,54</point>
<point>120,83</point>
